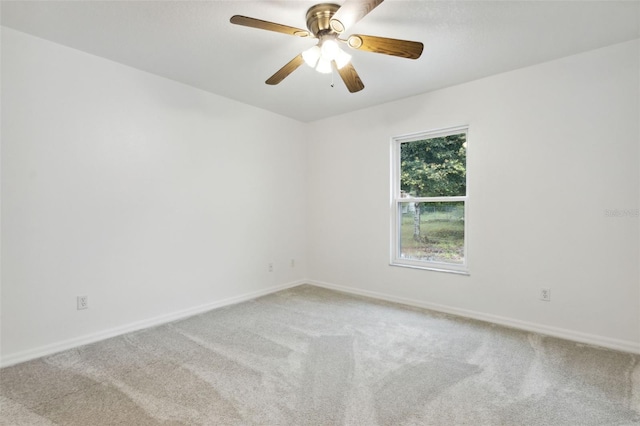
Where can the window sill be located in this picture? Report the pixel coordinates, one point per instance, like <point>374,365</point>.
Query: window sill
<point>432,268</point>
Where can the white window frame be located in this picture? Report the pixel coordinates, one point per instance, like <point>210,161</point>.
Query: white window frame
<point>396,201</point>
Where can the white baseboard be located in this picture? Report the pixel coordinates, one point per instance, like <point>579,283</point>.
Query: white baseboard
<point>576,336</point>
<point>41,351</point>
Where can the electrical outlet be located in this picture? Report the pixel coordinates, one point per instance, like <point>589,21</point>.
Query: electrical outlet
<point>83,302</point>
<point>270,267</point>
<point>545,294</point>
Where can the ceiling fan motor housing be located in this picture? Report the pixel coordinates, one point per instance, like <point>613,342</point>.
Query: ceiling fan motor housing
<point>319,18</point>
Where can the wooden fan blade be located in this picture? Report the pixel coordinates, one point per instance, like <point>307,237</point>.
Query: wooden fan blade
<point>387,46</point>
<point>351,12</point>
<point>269,26</point>
<point>350,77</point>
<point>283,72</point>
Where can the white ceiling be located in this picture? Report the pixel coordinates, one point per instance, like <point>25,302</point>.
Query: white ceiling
<point>194,43</point>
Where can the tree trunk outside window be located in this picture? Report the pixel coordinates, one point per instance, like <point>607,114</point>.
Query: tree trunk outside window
<point>416,221</point>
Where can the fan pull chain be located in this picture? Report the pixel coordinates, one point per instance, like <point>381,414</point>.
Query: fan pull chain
<point>332,73</point>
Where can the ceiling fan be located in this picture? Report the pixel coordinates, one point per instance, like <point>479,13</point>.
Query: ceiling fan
<point>327,22</point>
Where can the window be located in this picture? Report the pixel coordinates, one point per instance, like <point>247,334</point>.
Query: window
<point>429,200</point>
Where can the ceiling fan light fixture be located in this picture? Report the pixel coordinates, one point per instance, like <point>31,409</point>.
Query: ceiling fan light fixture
<point>311,56</point>
<point>329,49</point>
<point>321,56</point>
<point>342,58</point>
<point>324,66</point>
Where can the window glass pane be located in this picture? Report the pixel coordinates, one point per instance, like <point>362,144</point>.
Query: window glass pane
<point>434,167</point>
<point>432,232</point>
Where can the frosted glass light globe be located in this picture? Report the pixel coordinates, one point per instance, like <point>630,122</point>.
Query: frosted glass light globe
<point>311,56</point>
<point>329,50</point>
<point>324,66</point>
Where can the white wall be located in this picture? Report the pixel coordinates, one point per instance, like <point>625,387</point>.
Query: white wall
<point>551,147</point>
<point>156,199</point>
<point>147,195</point>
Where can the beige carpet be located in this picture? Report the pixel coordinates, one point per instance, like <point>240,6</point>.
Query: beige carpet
<point>309,356</point>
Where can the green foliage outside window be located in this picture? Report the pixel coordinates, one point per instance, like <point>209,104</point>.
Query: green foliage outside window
<point>434,167</point>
